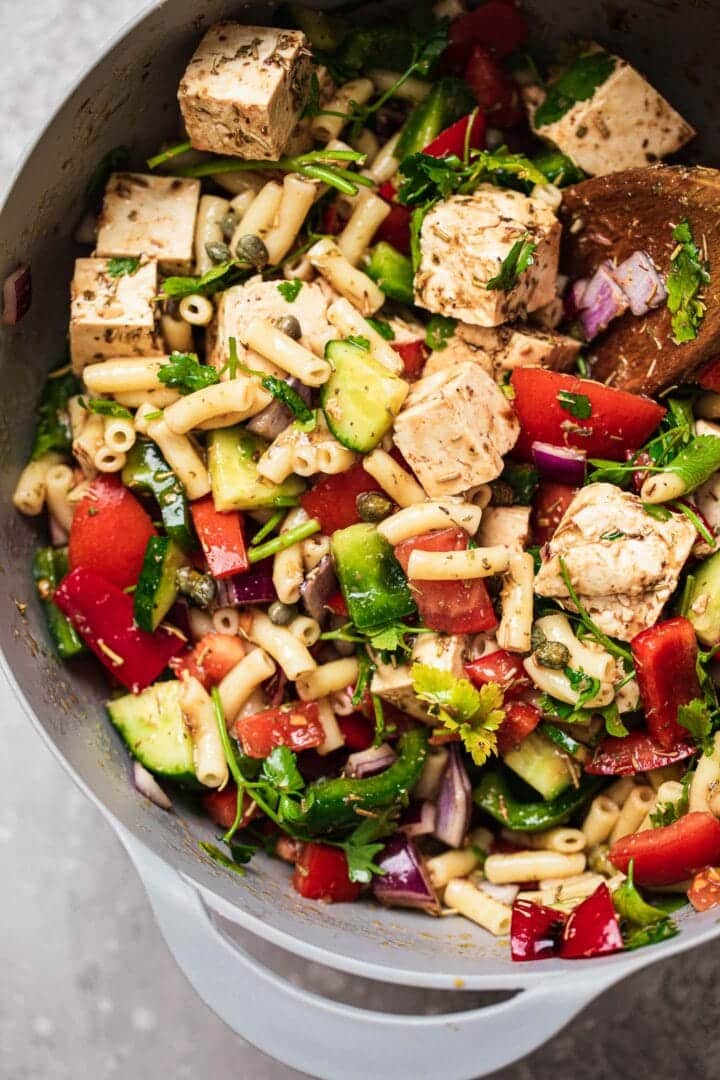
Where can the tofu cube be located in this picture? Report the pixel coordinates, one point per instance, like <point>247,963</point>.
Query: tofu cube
<point>244,89</point>
<point>625,124</point>
<point>149,215</point>
<point>454,428</point>
<point>112,316</point>
<point>623,564</point>
<point>457,351</point>
<point>394,684</point>
<point>463,243</point>
<point>508,525</point>
<point>518,346</point>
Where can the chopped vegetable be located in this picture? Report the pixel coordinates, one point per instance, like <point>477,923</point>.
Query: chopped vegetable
<point>672,853</point>
<point>689,273</point>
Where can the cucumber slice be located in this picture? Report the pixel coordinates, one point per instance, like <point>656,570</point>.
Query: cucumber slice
<point>152,725</point>
<point>233,454</point>
<point>156,590</point>
<point>702,604</point>
<point>541,765</point>
<point>361,398</point>
<point>370,577</point>
<point>566,742</point>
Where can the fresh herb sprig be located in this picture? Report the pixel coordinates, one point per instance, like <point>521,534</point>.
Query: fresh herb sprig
<point>324,165</point>
<point>689,273</point>
<point>475,715</point>
<point>518,259</point>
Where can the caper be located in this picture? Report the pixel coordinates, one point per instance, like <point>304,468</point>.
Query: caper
<point>218,251</point>
<point>372,506</point>
<point>200,588</point>
<point>552,654</point>
<point>282,614</point>
<point>251,249</point>
<point>228,224</point>
<point>502,494</point>
<point>290,326</point>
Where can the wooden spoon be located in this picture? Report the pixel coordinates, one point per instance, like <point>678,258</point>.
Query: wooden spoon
<point>610,217</point>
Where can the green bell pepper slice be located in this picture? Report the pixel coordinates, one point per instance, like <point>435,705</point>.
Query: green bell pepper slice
<point>392,271</point>
<point>493,795</point>
<point>448,100</point>
<point>50,566</point>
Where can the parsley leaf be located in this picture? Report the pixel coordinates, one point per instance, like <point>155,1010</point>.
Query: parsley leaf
<point>289,290</point>
<point>577,83</point>
<point>361,861</point>
<point>289,397</point>
<point>641,923</point>
<point>392,637</point>
<point>384,329</point>
<point>578,405</point>
<point>280,769</point>
<point>359,342</point>
<point>119,267</point>
<point>520,256</point>
<point>689,272</point>
<point>103,407</point>
<point>695,717</point>
<point>53,427</point>
<point>438,332</point>
<point>185,373</point>
<point>474,714</point>
<point>426,179</point>
<point>216,278</point>
<point>584,685</point>
<point>362,845</point>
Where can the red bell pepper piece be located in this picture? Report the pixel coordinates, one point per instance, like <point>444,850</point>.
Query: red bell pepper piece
<point>592,929</point>
<point>413,355</point>
<point>635,753</point>
<point>709,376</point>
<point>453,139</point>
<point>501,667</point>
<point>332,499</point>
<point>332,222</point>
<point>296,726</point>
<point>102,614</point>
<point>550,503</point>
<point>498,25</point>
<point>395,229</point>
<point>534,931</point>
<point>109,533</point>
<point>336,604</point>
<point>704,893</point>
<point>451,607</point>
<point>321,873</point>
<point>357,731</point>
<point>671,853</point>
<point>618,421</point>
<point>221,806</point>
<point>221,537</point>
<point>495,92</point>
<point>665,664</point>
<point>520,719</point>
<point>210,659</point>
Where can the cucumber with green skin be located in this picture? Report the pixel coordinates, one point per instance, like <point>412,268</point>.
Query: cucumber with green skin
<point>371,579</point>
<point>702,604</point>
<point>541,764</point>
<point>147,470</point>
<point>152,725</point>
<point>361,398</point>
<point>156,590</point>
<point>233,454</point>
<point>392,272</point>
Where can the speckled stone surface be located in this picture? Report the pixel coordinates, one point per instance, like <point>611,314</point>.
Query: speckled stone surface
<point>87,987</point>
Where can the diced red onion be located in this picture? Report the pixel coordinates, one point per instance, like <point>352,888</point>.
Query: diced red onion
<point>179,616</point>
<point>454,801</point>
<point>58,535</point>
<point>639,279</point>
<point>275,688</point>
<point>602,301</point>
<point>148,786</point>
<point>405,882</point>
<point>255,586</point>
<point>504,894</point>
<point>419,819</point>
<point>317,588</point>
<point>563,464</point>
<point>17,295</point>
<point>572,301</point>
<point>273,419</point>
<point>369,762</point>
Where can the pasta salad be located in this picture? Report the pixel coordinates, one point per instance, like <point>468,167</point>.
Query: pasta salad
<point>383,474</point>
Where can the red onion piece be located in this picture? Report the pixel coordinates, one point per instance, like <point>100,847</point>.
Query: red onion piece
<point>454,801</point>
<point>405,882</point>
<point>602,301</point>
<point>560,463</point>
<point>419,819</point>
<point>58,535</point>
<point>317,588</point>
<point>255,586</point>
<point>573,299</point>
<point>370,762</point>
<point>17,295</point>
<point>639,279</point>
<point>273,420</point>
<point>148,786</point>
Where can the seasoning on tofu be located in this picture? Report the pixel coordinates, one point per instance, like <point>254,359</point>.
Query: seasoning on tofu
<point>150,215</point>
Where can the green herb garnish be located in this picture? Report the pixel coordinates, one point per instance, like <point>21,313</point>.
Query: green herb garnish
<point>120,267</point>
<point>689,273</point>
<point>520,256</point>
<point>290,290</point>
<point>577,83</point>
<point>460,707</point>
<point>439,330</point>
<point>578,405</point>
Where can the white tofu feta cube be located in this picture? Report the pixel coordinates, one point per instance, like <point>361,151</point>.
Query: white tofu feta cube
<point>624,124</point>
<point>454,428</point>
<point>623,564</point>
<point>508,525</point>
<point>464,241</point>
<point>503,348</point>
<point>456,352</point>
<point>112,316</point>
<point>395,684</point>
<point>149,215</point>
<point>244,89</point>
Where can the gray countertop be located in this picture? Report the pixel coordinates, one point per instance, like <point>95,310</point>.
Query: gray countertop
<point>88,986</point>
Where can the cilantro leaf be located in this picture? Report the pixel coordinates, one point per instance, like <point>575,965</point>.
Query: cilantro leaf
<point>280,769</point>
<point>104,407</point>
<point>439,330</point>
<point>216,278</point>
<point>289,290</point>
<point>689,272</point>
<point>119,267</point>
<point>520,256</point>
<point>426,179</point>
<point>359,342</point>
<point>474,714</point>
<point>381,327</point>
<point>578,405</point>
<point>695,717</point>
<point>361,861</point>
<point>185,373</point>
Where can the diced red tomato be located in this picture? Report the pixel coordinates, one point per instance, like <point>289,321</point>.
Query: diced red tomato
<point>520,719</point>
<point>357,731</point>
<point>413,355</point>
<point>210,659</point>
<point>704,893</point>
<point>495,92</point>
<point>451,607</point>
<point>109,533</point>
<point>387,191</point>
<point>709,376</point>
<point>534,930</point>
<point>549,505</point>
<point>332,498</point>
<point>221,806</point>
<point>501,667</point>
<point>321,873</point>
<point>498,25</point>
<point>665,665</point>
<point>221,537</point>
<point>592,929</point>
<point>671,853</point>
<point>395,229</point>
<point>337,605</point>
<point>296,726</point>
<point>635,753</point>
<point>618,421</point>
